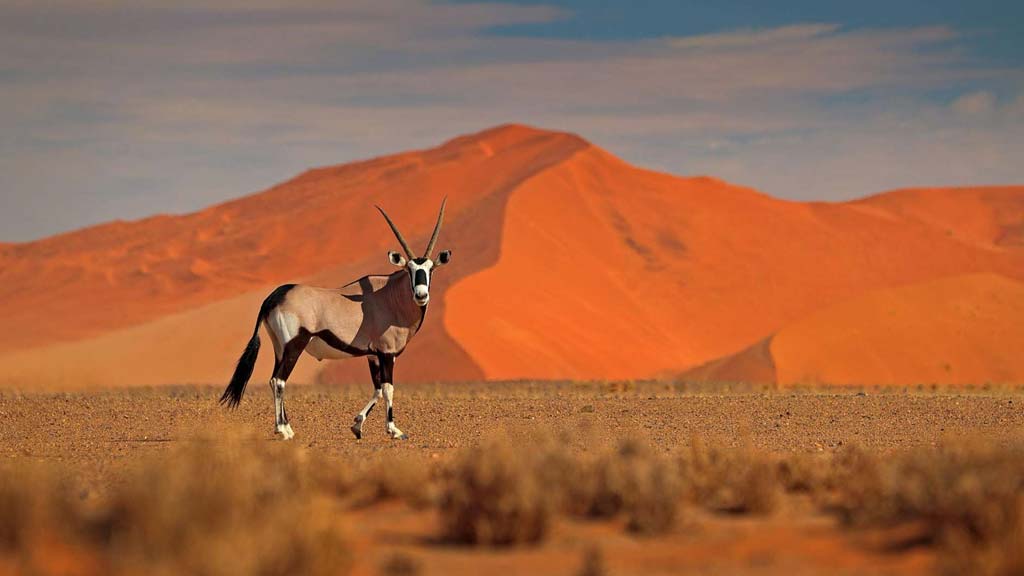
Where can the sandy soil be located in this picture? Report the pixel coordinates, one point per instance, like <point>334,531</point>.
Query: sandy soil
<point>101,435</point>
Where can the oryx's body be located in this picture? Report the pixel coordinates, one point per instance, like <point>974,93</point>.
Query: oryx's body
<point>375,316</point>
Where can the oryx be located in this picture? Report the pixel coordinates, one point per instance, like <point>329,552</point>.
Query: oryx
<point>375,316</point>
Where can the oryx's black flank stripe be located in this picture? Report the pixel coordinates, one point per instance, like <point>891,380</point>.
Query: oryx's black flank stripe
<point>334,342</point>
<point>247,361</point>
<point>292,352</point>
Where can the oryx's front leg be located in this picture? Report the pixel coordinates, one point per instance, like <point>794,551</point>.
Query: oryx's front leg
<point>387,370</point>
<point>357,428</point>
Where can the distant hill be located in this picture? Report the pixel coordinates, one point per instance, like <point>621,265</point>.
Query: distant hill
<point>568,264</point>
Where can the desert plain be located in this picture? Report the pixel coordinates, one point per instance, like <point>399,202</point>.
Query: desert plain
<point>637,478</point>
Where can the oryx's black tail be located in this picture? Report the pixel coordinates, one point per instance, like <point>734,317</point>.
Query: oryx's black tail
<point>247,361</point>
<point>243,370</point>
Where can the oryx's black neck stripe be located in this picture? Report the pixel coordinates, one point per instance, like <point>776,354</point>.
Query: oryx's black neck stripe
<point>420,278</point>
<point>333,341</point>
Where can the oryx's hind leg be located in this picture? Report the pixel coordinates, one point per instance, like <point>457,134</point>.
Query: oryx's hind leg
<point>282,370</point>
<point>357,427</point>
<point>387,376</point>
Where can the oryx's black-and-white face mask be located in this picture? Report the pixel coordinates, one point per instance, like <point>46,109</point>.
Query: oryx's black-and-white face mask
<point>420,273</point>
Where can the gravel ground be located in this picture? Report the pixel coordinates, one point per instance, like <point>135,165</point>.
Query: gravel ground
<point>98,432</point>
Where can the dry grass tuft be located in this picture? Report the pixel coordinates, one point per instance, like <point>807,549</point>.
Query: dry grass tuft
<point>804,473</point>
<point>593,563</point>
<point>967,498</point>
<point>396,478</point>
<point>737,481</point>
<point>400,564</point>
<point>497,494</point>
<point>494,496</point>
<point>202,511</point>
<point>634,481</point>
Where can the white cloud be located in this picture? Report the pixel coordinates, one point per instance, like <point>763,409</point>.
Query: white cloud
<point>754,38</point>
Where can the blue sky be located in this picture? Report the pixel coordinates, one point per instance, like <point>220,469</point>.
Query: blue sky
<point>124,109</point>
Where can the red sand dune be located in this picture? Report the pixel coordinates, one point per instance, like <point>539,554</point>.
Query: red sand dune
<point>633,273</point>
<point>953,331</point>
<point>569,263</point>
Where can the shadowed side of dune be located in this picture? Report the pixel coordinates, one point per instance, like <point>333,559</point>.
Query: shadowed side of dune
<point>475,234</point>
<point>753,364</point>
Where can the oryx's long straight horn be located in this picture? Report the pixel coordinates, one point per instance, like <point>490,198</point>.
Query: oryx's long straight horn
<point>437,230</point>
<point>405,245</point>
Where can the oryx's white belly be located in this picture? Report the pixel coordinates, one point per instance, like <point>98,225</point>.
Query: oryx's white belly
<point>319,349</point>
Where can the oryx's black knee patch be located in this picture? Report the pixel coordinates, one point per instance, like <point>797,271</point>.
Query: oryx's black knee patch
<point>391,414</point>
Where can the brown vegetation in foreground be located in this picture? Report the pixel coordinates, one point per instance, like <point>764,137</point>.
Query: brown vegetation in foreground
<point>269,508</point>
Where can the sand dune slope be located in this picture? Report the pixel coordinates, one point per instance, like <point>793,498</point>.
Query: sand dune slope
<point>609,271</point>
<point>952,331</point>
<point>569,264</point>
<point>173,298</point>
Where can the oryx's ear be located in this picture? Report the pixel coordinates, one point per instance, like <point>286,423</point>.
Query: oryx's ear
<point>443,258</point>
<point>396,258</point>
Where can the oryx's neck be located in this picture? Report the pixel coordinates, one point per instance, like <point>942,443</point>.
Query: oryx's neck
<point>399,299</point>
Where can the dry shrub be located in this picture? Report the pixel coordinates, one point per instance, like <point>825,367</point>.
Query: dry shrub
<point>566,475</point>
<point>1000,556</point>
<point>634,481</point>
<point>593,563</point>
<point>498,494</point>
<point>804,473</point>
<point>400,564</point>
<point>494,496</point>
<point>37,510</point>
<point>967,498</point>
<point>397,478</point>
<point>204,510</point>
<point>853,485</point>
<point>738,481</point>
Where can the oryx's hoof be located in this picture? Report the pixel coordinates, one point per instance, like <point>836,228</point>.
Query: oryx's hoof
<point>285,431</point>
<point>357,431</point>
<point>402,437</point>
